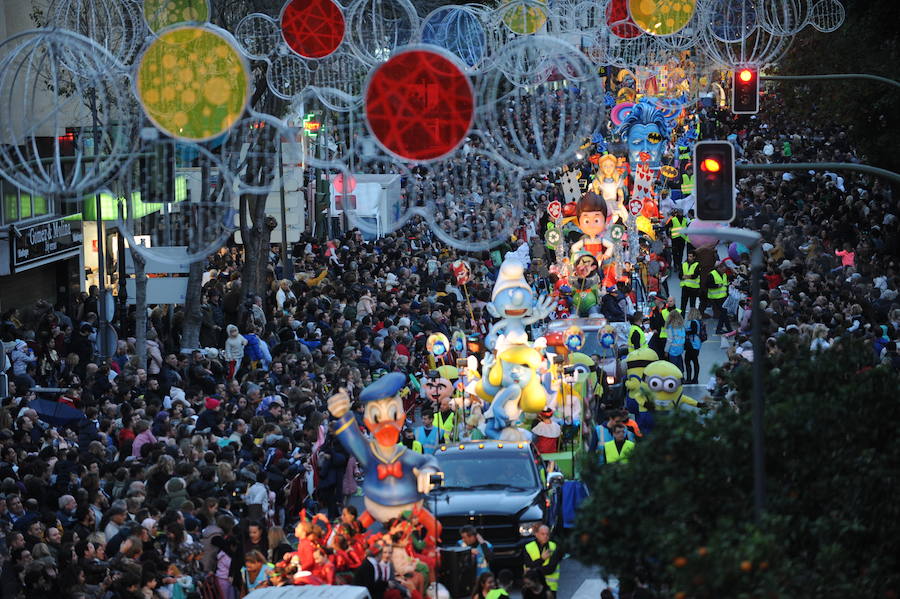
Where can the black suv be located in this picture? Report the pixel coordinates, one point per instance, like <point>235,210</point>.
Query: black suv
<point>500,488</point>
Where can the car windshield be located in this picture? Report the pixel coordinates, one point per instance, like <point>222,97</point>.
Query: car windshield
<point>466,470</point>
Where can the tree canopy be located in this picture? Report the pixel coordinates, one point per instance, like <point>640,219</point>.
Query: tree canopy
<point>679,514</point>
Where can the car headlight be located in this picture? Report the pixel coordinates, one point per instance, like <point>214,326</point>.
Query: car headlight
<point>526,528</point>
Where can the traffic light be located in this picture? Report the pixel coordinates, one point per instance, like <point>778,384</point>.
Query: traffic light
<point>745,91</point>
<point>714,181</point>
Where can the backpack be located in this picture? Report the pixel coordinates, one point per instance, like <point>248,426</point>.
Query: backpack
<point>703,334</point>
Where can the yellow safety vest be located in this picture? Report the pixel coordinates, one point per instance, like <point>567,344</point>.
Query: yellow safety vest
<point>665,315</point>
<point>643,337</point>
<point>678,227</point>
<point>535,554</point>
<point>721,288</point>
<point>687,184</point>
<point>612,453</point>
<point>689,276</point>
<point>445,425</point>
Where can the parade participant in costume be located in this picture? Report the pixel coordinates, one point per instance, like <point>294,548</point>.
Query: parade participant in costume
<point>513,386</point>
<point>546,432</point>
<point>665,380</point>
<point>513,302</point>
<point>636,401</point>
<point>395,477</point>
<point>610,185</point>
<point>592,214</point>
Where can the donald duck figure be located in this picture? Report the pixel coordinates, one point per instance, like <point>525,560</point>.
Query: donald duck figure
<point>395,477</point>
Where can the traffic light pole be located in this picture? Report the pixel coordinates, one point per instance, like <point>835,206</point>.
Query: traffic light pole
<point>819,166</point>
<point>753,241</point>
<point>831,76</point>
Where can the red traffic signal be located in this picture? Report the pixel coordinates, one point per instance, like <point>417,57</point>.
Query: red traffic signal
<point>714,183</point>
<point>745,91</point>
<point>710,165</point>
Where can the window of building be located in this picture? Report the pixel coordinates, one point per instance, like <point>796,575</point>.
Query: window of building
<point>20,206</point>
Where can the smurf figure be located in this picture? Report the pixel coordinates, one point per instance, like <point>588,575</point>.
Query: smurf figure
<point>513,302</point>
<point>513,384</point>
<point>396,478</point>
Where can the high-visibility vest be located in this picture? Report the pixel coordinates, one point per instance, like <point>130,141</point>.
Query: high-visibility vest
<point>689,276</point>
<point>720,289</point>
<point>613,454</point>
<point>535,554</point>
<point>496,594</point>
<point>687,184</point>
<point>678,227</point>
<point>445,425</point>
<point>417,447</point>
<point>429,441</point>
<point>643,338</point>
<point>665,315</point>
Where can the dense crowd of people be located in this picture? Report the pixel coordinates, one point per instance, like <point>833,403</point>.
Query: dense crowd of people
<point>215,471</point>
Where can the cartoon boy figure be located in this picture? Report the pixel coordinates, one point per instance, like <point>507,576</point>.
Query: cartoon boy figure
<point>592,213</point>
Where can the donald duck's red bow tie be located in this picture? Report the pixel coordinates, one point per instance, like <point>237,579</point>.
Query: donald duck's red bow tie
<point>386,470</point>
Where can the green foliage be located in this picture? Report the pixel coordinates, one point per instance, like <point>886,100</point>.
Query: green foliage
<point>869,112</point>
<point>679,514</point>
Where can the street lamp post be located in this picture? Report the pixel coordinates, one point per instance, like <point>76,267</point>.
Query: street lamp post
<point>753,241</point>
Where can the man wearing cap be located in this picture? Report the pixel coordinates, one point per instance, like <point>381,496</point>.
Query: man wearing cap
<point>210,416</point>
<point>717,291</point>
<point>396,478</point>
<point>609,305</point>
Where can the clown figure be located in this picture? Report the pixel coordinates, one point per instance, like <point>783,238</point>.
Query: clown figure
<point>396,478</point>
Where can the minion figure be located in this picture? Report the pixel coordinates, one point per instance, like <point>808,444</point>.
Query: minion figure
<point>664,380</point>
<point>637,400</point>
<point>396,478</point>
<point>513,386</point>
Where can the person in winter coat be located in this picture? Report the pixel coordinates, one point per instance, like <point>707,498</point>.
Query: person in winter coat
<point>154,353</point>
<point>234,350</point>
<point>143,435</point>
<point>176,493</point>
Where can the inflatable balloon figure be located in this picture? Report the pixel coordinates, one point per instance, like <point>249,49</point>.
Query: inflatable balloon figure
<point>396,478</point>
<point>645,129</point>
<point>610,185</point>
<point>637,399</point>
<point>513,302</point>
<point>665,380</point>
<point>512,384</point>
<point>592,213</point>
